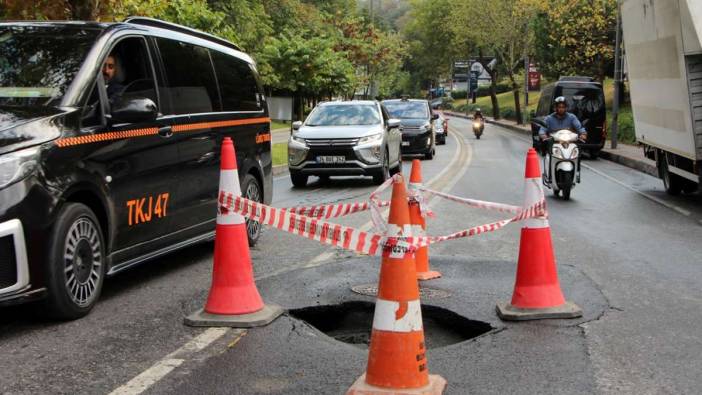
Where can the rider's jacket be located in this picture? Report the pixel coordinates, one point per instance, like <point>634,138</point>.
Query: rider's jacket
<point>555,123</point>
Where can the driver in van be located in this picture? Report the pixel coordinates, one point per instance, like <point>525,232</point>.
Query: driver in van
<point>562,119</point>
<point>109,73</point>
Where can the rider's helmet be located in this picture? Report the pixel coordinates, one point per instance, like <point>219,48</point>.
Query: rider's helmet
<point>560,99</point>
<point>477,110</point>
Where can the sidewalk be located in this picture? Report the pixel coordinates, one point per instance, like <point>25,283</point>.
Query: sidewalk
<point>631,156</point>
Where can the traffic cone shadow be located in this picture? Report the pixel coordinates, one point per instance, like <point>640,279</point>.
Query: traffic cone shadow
<point>397,362</point>
<point>233,300</point>
<point>537,291</point>
<point>419,225</point>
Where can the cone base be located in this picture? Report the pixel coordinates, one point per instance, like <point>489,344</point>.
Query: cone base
<point>262,317</point>
<point>430,275</point>
<point>436,385</point>
<point>507,312</point>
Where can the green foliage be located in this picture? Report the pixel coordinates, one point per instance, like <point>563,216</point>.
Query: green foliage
<point>458,94</point>
<point>279,152</point>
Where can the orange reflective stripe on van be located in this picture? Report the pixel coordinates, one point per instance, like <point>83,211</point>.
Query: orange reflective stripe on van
<point>188,127</point>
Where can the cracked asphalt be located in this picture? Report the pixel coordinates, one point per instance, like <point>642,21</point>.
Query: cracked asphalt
<point>632,264</point>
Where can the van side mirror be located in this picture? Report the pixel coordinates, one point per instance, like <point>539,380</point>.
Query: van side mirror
<point>297,125</point>
<point>434,116</point>
<point>393,123</point>
<point>133,110</point>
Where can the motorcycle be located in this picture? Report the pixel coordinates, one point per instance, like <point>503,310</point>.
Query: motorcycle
<point>478,126</point>
<point>562,160</point>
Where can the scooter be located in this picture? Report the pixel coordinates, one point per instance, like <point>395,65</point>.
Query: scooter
<point>478,126</point>
<point>562,160</point>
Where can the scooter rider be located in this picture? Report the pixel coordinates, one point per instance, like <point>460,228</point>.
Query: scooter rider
<point>562,119</point>
<point>478,115</point>
<point>559,120</point>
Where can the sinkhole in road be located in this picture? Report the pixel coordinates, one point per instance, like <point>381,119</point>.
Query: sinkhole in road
<point>350,322</point>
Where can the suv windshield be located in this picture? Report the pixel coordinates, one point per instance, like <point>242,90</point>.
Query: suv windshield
<point>344,115</point>
<point>407,109</point>
<point>38,63</point>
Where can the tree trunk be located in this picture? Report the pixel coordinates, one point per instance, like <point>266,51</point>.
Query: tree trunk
<point>517,106</point>
<point>493,94</point>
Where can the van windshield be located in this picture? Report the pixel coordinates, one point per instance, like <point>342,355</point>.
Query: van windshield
<point>38,63</point>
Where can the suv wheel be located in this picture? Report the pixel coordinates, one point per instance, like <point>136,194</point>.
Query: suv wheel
<point>76,263</point>
<point>298,180</point>
<point>384,172</point>
<point>430,154</point>
<point>252,191</point>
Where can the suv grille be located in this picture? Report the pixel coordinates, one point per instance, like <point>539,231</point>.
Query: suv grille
<point>412,129</point>
<point>8,262</point>
<point>332,142</point>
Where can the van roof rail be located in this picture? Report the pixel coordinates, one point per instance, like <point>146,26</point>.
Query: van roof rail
<point>141,20</point>
<point>576,78</point>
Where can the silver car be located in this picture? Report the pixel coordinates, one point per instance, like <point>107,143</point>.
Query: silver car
<point>345,138</point>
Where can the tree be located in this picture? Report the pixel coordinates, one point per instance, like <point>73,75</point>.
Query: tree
<point>576,37</point>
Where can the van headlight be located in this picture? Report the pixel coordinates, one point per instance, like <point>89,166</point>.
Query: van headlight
<point>426,127</point>
<point>299,140</point>
<point>372,139</point>
<point>15,166</point>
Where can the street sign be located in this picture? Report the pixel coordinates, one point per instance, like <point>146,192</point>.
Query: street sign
<point>534,78</point>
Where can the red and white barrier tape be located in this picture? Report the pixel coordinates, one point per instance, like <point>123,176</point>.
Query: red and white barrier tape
<point>334,210</point>
<point>395,246</point>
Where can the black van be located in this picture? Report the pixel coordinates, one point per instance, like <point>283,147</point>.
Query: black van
<point>97,176</point>
<point>585,99</point>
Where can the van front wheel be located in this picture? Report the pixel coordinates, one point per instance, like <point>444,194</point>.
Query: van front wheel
<point>76,263</point>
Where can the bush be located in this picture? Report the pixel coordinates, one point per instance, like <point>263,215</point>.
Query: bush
<point>459,94</point>
<point>501,87</point>
<point>508,113</point>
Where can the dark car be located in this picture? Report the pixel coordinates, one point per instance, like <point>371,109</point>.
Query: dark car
<point>586,100</point>
<point>417,127</point>
<point>98,175</point>
<point>345,138</point>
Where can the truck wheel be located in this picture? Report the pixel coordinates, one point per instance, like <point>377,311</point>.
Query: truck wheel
<point>689,186</point>
<point>429,155</point>
<point>672,182</point>
<point>252,191</point>
<point>298,180</point>
<point>76,263</point>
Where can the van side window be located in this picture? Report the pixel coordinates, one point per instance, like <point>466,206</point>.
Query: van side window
<point>236,83</point>
<point>191,82</point>
<point>544,107</point>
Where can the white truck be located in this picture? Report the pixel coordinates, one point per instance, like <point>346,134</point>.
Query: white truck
<point>663,46</point>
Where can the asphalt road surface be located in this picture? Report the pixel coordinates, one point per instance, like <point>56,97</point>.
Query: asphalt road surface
<point>627,253</point>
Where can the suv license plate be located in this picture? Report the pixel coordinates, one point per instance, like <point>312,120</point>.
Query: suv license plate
<point>331,159</point>
<point>405,143</point>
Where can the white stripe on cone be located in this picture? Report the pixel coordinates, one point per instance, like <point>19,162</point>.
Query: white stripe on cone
<point>385,315</point>
<point>533,194</point>
<point>229,182</point>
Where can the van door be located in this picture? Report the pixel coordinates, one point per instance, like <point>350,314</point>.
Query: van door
<point>139,164</point>
<point>195,108</point>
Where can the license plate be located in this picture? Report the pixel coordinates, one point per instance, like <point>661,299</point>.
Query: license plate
<point>405,143</point>
<point>331,159</point>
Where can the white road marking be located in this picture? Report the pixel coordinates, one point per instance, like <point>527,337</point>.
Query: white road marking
<point>160,369</point>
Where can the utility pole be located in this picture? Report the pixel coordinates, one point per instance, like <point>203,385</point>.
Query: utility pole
<point>617,79</point>
<point>526,83</point>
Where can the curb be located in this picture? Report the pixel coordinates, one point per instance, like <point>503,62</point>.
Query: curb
<point>645,166</point>
<point>280,170</point>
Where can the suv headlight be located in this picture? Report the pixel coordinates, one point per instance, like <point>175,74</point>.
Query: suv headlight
<point>297,139</point>
<point>426,127</point>
<point>15,166</point>
<point>372,139</point>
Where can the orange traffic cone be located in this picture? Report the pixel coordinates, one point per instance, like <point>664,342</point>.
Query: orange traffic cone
<point>234,300</point>
<point>397,361</point>
<point>419,226</point>
<point>537,292</point>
